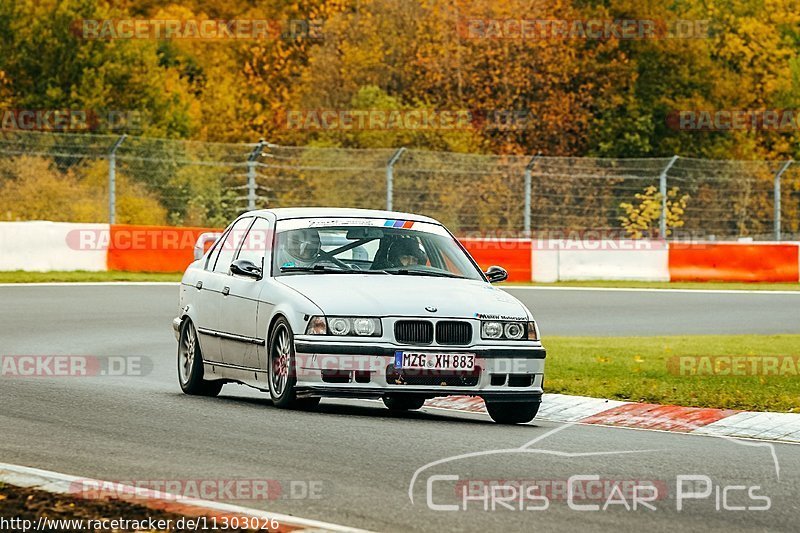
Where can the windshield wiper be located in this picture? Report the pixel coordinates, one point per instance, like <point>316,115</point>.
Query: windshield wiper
<point>325,269</point>
<point>433,273</point>
<point>316,269</point>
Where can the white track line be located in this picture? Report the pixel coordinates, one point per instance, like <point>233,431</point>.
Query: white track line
<point>54,482</point>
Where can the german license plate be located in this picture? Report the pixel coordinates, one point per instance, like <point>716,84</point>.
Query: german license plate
<point>434,361</point>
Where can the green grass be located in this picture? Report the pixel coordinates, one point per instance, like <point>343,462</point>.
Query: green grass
<point>718,285</point>
<point>19,276</point>
<point>637,369</point>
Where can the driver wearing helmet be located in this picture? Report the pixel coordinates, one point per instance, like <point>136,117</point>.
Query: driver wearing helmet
<point>406,252</point>
<point>301,247</point>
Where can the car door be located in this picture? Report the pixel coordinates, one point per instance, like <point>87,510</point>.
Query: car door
<point>211,294</point>
<point>206,306</point>
<point>241,340</point>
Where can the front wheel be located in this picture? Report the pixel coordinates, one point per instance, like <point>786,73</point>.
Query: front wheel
<point>190,364</point>
<point>512,412</point>
<point>281,367</point>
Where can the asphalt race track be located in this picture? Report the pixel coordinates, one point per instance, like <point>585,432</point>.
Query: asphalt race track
<point>614,312</point>
<point>359,456</point>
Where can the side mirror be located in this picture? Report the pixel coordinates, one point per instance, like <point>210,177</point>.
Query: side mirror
<point>496,273</point>
<point>200,245</point>
<point>243,267</point>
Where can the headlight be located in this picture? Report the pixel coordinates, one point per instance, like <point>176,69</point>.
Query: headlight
<point>344,326</point>
<point>491,330</point>
<point>365,326</point>
<point>339,326</point>
<point>514,331</point>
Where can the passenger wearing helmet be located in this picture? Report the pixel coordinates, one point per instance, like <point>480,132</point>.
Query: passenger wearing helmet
<point>405,252</point>
<point>300,247</point>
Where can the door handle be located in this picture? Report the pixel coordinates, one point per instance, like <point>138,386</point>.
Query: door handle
<point>199,285</point>
<point>226,291</point>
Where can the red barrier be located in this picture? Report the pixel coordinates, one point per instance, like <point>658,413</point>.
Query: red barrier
<point>171,249</point>
<point>151,248</point>
<point>734,262</point>
<point>512,254</point>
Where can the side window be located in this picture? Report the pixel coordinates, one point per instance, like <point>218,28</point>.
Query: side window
<point>230,245</point>
<point>212,257</point>
<point>257,242</point>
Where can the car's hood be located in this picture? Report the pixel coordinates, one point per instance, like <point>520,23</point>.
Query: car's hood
<point>398,295</point>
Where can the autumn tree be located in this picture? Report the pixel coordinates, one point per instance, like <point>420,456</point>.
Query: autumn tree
<point>642,219</point>
<point>51,67</point>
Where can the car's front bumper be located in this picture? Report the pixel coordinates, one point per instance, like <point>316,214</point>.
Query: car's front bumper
<point>364,369</point>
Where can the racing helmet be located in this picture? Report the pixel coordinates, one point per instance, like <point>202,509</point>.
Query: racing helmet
<point>405,252</point>
<point>303,244</point>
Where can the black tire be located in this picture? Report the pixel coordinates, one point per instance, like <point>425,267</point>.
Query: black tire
<point>281,373</point>
<point>512,412</point>
<point>190,364</point>
<point>403,402</point>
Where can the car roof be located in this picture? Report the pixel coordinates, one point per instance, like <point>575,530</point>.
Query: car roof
<point>286,213</point>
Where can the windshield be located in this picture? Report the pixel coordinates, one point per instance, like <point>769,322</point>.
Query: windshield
<point>323,246</point>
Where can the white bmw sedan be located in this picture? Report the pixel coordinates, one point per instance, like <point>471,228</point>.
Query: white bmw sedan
<point>318,302</point>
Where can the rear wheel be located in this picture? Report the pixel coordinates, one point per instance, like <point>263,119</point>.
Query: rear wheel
<point>512,412</point>
<point>403,402</point>
<point>190,364</point>
<point>281,368</point>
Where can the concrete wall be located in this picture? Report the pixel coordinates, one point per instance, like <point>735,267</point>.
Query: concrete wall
<point>40,246</point>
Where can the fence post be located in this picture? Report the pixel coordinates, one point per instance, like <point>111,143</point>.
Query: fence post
<point>776,201</point>
<point>251,174</point>
<point>390,178</point>
<point>526,217</point>
<point>112,181</point>
<point>662,185</point>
